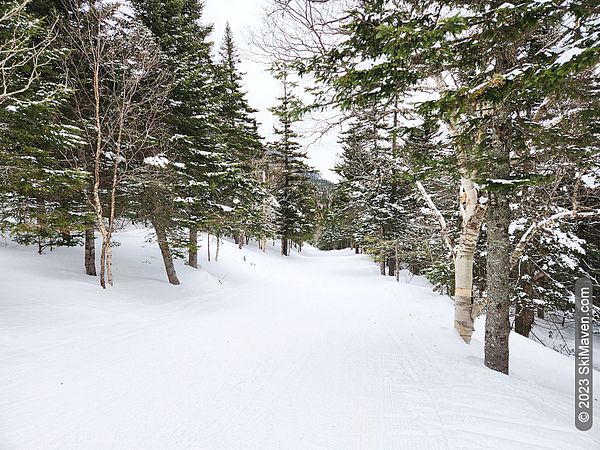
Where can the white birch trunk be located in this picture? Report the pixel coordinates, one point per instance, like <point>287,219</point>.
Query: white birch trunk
<point>465,310</point>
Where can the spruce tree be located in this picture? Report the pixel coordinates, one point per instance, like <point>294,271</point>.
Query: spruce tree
<point>61,11</point>
<point>41,192</point>
<point>194,148</point>
<point>242,145</point>
<point>238,126</point>
<point>295,200</point>
<point>377,198</point>
<point>497,66</point>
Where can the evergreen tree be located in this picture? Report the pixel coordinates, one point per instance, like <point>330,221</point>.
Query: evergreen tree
<point>242,145</point>
<point>195,151</point>
<point>296,208</point>
<point>238,127</point>
<point>41,193</point>
<point>496,68</point>
<point>62,11</point>
<point>376,195</point>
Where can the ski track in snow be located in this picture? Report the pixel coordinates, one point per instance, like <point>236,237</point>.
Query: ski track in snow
<point>316,351</point>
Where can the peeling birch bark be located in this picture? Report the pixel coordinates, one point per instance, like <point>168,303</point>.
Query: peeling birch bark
<point>473,213</point>
<point>465,310</point>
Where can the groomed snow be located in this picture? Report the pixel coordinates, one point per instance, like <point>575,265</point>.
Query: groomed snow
<point>256,351</point>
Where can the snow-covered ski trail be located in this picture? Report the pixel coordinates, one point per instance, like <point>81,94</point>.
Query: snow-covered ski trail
<point>312,352</point>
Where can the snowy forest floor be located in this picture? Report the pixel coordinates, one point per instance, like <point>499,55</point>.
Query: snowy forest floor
<point>316,351</point>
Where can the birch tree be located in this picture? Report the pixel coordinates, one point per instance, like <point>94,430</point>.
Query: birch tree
<point>501,67</point>
<point>114,72</point>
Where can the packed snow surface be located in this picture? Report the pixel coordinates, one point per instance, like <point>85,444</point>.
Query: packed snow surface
<point>256,351</point>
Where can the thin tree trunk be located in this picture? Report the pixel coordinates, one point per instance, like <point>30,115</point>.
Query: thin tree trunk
<point>397,257</point>
<point>193,250</point>
<point>391,266</point>
<point>103,264</point>
<point>113,200</point>
<point>241,240</point>
<point>218,248</point>
<point>382,266</point>
<point>109,270</point>
<point>208,246</point>
<point>90,250</point>
<point>163,244</point>
<point>96,202</point>
<point>105,231</point>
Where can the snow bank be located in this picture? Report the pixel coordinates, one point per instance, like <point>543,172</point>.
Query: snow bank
<point>255,351</point>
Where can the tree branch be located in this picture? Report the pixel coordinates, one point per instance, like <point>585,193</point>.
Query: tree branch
<point>536,227</point>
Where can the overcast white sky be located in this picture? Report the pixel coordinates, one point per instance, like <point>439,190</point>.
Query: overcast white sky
<point>244,15</point>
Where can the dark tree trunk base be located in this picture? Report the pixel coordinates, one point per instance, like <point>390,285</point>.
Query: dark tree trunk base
<point>524,320</point>
<point>285,248</point>
<point>163,243</point>
<point>391,267</point>
<point>90,251</point>
<point>193,251</point>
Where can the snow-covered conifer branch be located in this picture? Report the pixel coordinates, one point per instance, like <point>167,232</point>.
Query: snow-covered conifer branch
<point>536,227</point>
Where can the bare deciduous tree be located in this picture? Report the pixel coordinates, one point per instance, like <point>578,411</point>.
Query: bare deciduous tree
<point>297,29</point>
<point>119,89</point>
